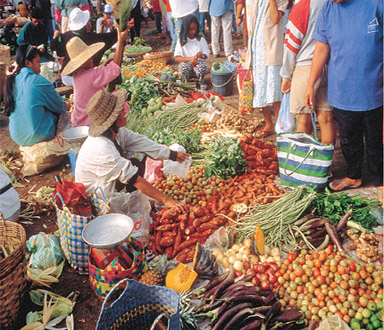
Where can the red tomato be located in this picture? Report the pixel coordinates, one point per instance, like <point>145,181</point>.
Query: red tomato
<point>269,271</point>
<point>266,264</point>
<point>291,257</point>
<point>272,279</point>
<point>330,246</point>
<point>255,281</point>
<point>238,273</point>
<point>275,266</point>
<point>259,268</point>
<point>352,267</point>
<point>251,271</point>
<point>246,265</point>
<point>276,284</point>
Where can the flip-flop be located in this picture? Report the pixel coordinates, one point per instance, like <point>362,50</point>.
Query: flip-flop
<point>344,185</point>
<point>263,134</point>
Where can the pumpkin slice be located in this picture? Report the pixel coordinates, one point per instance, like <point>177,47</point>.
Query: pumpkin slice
<point>259,239</point>
<point>181,278</point>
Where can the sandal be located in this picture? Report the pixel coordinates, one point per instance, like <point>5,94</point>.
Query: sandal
<point>263,134</point>
<point>344,185</point>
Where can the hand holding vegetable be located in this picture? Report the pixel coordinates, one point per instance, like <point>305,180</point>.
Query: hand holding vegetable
<point>182,156</point>
<point>170,202</point>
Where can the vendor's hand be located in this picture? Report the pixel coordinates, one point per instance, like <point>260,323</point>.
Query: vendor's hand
<point>194,60</point>
<point>181,156</point>
<point>309,96</point>
<point>286,86</point>
<point>170,202</point>
<point>131,24</point>
<point>239,20</point>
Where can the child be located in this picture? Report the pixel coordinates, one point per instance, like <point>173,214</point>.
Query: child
<point>192,51</point>
<point>87,79</point>
<point>106,23</point>
<point>267,56</point>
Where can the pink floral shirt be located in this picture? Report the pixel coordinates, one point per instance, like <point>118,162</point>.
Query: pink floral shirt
<point>86,83</point>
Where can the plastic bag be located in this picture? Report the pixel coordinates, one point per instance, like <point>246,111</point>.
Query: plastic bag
<point>286,121</point>
<point>176,168</point>
<point>153,170</point>
<point>45,251</point>
<point>136,205</point>
<point>219,240</point>
<point>333,323</point>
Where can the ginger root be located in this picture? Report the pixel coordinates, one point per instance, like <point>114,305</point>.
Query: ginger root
<point>366,246</point>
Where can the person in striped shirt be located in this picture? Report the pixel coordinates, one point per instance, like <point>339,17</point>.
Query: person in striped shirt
<point>299,47</point>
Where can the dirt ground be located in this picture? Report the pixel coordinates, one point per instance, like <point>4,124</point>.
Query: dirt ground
<point>88,306</point>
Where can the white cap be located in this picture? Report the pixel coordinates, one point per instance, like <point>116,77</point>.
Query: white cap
<point>107,9</point>
<point>78,19</point>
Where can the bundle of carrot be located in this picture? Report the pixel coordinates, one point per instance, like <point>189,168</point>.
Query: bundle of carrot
<point>176,234</point>
<point>260,155</point>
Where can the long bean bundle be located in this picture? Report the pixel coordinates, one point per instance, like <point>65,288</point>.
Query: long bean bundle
<point>180,117</point>
<point>276,219</point>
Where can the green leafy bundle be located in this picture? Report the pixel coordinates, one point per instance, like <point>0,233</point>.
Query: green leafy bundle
<point>225,158</point>
<point>334,206</point>
<point>188,139</point>
<point>140,92</point>
<point>125,13</point>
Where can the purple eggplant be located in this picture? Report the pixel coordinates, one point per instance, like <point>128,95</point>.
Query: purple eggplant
<point>225,317</point>
<point>343,220</point>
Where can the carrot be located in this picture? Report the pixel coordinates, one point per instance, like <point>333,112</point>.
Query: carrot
<point>190,230</point>
<point>177,242</point>
<point>169,234</point>
<point>204,226</point>
<point>170,213</point>
<point>181,257</point>
<point>231,214</point>
<point>169,252</point>
<point>186,244</point>
<point>166,241</point>
<point>166,227</point>
<point>157,242</point>
<point>182,217</point>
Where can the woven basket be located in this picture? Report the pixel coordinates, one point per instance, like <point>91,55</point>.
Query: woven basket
<point>3,76</point>
<point>13,270</point>
<point>161,57</point>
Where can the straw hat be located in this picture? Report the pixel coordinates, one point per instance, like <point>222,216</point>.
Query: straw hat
<point>103,110</point>
<point>79,53</point>
<point>78,19</point>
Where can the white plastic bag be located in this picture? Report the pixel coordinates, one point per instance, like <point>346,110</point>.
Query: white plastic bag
<point>176,168</point>
<point>136,205</point>
<point>286,121</point>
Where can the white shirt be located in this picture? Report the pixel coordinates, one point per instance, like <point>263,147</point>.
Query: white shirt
<point>181,8</point>
<point>9,200</point>
<point>99,163</point>
<point>203,6</point>
<point>192,47</point>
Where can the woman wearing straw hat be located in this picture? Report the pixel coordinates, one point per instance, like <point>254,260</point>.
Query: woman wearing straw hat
<point>87,79</point>
<point>101,161</point>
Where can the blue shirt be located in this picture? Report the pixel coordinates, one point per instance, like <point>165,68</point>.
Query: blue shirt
<point>33,35</point>
<point>218,8</point>
<point>37,107</point>
<point>353,29</point>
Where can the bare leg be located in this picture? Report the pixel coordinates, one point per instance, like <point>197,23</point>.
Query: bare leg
<point>327,126</point>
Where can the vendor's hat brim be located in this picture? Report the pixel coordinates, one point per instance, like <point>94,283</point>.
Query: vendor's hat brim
<point>83,54</point>
<point>103,110</point>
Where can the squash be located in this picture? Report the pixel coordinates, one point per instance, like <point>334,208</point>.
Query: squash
<point>181,278</point>
<point>259,239</point>
<point>204,263</point>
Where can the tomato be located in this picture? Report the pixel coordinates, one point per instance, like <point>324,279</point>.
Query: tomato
<point>255,281</point>
<point>269,271</point>
<point>274,266</point>
<point>291,257</point>
<point>259,268</point>
<point>250,271</point>
<point>238,273</point>
<point>330,246</point>
<point>272,279</point>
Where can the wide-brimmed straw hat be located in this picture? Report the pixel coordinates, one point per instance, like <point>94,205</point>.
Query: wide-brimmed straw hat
<point>79,53</point>
<point>78,19</point>
<point>103,110</point>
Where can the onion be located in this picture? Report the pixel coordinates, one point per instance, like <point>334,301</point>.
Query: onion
<point>235,248</point>
<point>239,256</point>
<point>225,262</point>
<point>231,259</point>
<point>248,242</point>
<point>238,265</point>
<point>253,259</point>
<point>230,252</point>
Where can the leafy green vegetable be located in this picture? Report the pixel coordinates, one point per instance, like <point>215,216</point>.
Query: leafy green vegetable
<point>224,158</point>
<point>140,92</point>
<point>188,139</point>
<point>334,206</point>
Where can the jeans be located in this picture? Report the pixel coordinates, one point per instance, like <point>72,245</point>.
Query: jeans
<point>354,128</point>
<point>158,22</point>
<point>179,22</point>
<point>172,30</point>
<point>202,17</point>
<point>226,22</point>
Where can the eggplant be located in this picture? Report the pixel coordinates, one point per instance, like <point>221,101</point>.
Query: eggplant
<point>208,307</point>
<point>254,298</point>
<point>335,239</point>
<point>268,299</point>
<point>229,314</point>
<point>343,220</point>
<point>252,325</point>
<point>237,318</point>
<point>315,225</point>
<point>223,285</point>
<point>212,283</point>
<point>304,219</point>
<point>289,315</point>
<point>318,233</point>
<point>271,312</point>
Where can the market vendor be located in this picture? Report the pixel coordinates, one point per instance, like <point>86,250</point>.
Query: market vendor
<point>35,33</point>
<point>88,79</point>
<point>192,51</point>
<point>80,26</point>
<point>102,161</point>
<point>20,19</point>
<point>31,101</point>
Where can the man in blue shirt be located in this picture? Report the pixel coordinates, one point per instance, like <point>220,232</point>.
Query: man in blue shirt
<point>221,12</point>
<point>349,34</point>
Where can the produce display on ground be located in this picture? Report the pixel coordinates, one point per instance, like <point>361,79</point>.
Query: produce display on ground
<point>248,253</point>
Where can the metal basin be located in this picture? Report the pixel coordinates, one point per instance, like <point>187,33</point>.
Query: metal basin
<point>107,231</point>
<point>75,134</point>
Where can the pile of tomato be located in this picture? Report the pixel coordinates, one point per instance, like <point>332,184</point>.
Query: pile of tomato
<point>326,283</point>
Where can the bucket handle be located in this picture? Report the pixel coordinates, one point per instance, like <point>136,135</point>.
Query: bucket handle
<point>226,83</point>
